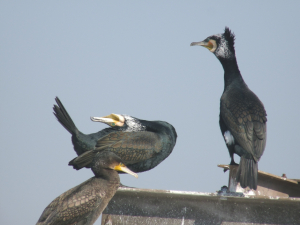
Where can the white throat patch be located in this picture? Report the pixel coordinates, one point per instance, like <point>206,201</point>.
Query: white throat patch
<point>133,124</point>
<point>229,139</point>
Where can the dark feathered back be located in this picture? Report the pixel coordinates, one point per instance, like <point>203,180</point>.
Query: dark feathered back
<point>229,37</point>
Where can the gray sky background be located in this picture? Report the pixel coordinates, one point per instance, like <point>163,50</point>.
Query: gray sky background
<point>132,57</point>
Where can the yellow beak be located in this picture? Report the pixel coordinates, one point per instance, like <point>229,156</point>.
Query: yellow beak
<point>124,169</point>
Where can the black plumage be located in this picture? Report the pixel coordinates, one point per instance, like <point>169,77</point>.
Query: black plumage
<point>141,144</point>
<point>81,142</point>
<point>84,203</point>
<point>242,115</point>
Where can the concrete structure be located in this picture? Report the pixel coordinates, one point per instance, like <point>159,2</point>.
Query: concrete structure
<point>267,184</point>
<point>159,207</point>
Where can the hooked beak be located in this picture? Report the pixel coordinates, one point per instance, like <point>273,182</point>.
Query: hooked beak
<point>125,170</point>
<point>102,119</point>
<point>111,120</point>
<point>200,43</point>
<point>211,45</point>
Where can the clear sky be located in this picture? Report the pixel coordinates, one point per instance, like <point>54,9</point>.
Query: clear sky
<point>133,57</point>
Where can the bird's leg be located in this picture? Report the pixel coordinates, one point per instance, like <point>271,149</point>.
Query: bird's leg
<point>233,163</point>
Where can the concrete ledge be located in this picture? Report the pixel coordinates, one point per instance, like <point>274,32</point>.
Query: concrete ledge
<point>159,207</point>
<point>267,184</point>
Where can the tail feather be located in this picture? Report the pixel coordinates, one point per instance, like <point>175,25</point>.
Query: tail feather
<point>247,173</point>
<point>83,160</point>
<point>63,117</point>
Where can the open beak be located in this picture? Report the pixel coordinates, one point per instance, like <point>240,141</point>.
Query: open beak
<point>125,170</point>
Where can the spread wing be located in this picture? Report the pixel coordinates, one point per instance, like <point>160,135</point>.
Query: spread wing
<point>72,206</point>
<point>246,119</point>
<point>131,147</point>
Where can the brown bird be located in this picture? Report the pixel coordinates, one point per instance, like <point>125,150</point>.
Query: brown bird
<point>243,119</point>
<point>83,204</point>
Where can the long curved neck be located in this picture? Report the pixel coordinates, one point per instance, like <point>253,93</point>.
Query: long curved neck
<point>111,176</point>
<point>155,126</point>
<point>150,125</point>
<point>231,71</point>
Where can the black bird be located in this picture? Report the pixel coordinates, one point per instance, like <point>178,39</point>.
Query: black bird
<point>81,142</point>
<point>243,119</point>
<point>84,203</point>
<point>141,144</point>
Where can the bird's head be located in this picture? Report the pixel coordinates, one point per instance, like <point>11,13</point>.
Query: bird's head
<point>222,45</point>
<point>108,160</point>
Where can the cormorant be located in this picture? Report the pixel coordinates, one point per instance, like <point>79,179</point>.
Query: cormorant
<point>81,142</point>
<point>141,144</point>
<point>84,203</point>
<point>242,115</point>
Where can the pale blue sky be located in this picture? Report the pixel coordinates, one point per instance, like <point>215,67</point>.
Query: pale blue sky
<point>133,57</point>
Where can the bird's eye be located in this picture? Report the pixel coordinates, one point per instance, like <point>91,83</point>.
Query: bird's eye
<point>113,124</point>
<point>121,164</point>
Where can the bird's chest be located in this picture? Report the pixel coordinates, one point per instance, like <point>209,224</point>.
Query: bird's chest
<point>235,108</point>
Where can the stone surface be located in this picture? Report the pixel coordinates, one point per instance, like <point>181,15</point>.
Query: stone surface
<point>267,184</point>
<point>157,207</point>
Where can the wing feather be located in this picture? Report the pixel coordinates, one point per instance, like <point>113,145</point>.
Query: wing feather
<point>131,147</point>
<point>246,120</point>
<point>72,206</point>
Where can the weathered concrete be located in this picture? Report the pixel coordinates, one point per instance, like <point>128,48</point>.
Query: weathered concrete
<point>267,184</point>
<point>271,203</point>
<point>156,207</point>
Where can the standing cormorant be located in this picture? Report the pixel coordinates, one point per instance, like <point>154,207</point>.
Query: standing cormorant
<point>243,119</point>
<point>141,144</point>
<point>83,204</point>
